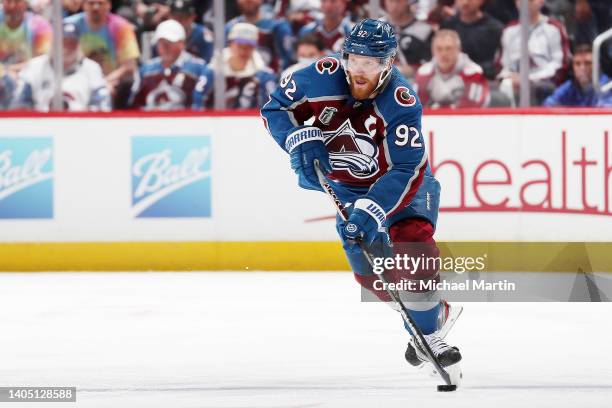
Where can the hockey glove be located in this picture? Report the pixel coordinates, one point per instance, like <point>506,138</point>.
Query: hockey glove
<point>306,145</point>
<point>366,223</point>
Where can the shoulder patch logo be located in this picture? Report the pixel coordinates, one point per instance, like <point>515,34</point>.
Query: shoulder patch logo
<point>327,64</point>
<point>404,97</point>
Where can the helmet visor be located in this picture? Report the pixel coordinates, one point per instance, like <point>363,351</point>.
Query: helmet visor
<point>361,64</point>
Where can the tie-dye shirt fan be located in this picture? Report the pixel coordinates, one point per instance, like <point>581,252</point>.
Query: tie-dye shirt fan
<point>111,45</point>
<point>32,38</point>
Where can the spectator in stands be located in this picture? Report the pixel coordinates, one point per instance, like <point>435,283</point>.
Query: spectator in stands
<point>174,80</point>
<point>413,36</point>
<point>23,35</point>
<point>439,11</point>
<point>72,7</point>
<point>146,14</point>
<point>562,10</point>
<point>268,6</point>
<point>248,81</point>
<point>275,44</point>
<point>503,11</point>
<point>7,88</point>
<point>359,9</point>
<point>204,10</point>
<point>592,17</point>
<point>579,90</point>
<point>109,40</point>
<point>333,27</point>
<point>308,49</point>
<point>200,41</point>
<point>548,54</point>
<point>479,33</point>
<point>451,79</point>
<point>298,12</point>
<point>422,8</point>
<point>83,85</point>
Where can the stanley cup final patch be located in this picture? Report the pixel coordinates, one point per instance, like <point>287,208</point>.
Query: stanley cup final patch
<point>326,116</point>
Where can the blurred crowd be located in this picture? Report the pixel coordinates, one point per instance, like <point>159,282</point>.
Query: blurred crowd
<point>160,54</point>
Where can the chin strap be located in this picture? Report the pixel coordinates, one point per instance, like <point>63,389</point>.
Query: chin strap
<point>385,75</point>
<point>382,81</point>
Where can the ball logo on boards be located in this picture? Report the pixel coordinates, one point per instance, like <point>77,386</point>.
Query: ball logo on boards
<point>26,177</point>
<point>171,176</point>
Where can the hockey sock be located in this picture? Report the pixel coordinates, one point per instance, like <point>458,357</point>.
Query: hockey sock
<point>426,320</point>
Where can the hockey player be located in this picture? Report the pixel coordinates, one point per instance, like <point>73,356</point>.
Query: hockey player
<point>366,133</point>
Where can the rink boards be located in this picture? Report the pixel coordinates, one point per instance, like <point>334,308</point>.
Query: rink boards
<point>181,192</point>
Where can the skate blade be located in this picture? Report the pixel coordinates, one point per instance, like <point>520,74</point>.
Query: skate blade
<point>453,315</point>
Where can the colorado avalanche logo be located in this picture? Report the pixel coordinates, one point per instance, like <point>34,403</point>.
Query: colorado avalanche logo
<point>404,97</point>
<point>351,151</point>
<point>327,64</point>
<point>165,97</point>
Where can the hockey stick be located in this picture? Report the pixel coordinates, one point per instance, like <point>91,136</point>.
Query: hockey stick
<point>416,332</point>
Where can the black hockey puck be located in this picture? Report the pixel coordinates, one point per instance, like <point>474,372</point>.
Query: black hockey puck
<point>446,388</point>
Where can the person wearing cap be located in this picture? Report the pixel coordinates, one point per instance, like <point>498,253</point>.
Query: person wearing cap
<point>275,39</point>
<point>173,80</point>
<point>200,41</point>
<point>83,84</point>
<point>108,39</point>
<point>23,35</point>
<point>248,81</point>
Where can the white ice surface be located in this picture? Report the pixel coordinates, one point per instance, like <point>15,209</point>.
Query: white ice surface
<point>280,340</point>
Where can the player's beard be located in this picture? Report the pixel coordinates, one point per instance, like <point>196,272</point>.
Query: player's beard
<point>361,86</point>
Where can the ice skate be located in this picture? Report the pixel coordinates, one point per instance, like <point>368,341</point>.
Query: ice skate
<point>446,355</point>
<point>447,317</point>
